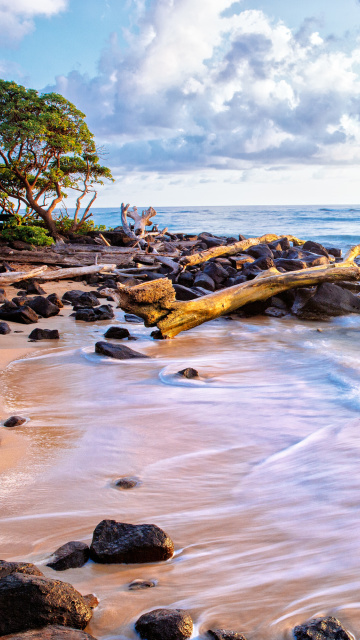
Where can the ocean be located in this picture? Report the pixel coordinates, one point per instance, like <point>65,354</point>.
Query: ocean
<point>252,469</point>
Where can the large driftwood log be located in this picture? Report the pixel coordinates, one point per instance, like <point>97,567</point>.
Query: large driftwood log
<point>16,276</point>
<point>70,255</point>
<point>232,249</point>
<point>64,274</point>
<point>155,301</point>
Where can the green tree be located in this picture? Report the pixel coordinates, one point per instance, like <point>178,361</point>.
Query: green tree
<point>46,149</point>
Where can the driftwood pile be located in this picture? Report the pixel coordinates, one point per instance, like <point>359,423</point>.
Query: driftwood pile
<point>178,281</point>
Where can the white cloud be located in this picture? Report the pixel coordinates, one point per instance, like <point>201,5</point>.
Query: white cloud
<point>200,87</point>
<point>17,16</point>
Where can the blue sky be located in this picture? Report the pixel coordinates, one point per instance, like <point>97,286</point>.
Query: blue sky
<point>203,101</point>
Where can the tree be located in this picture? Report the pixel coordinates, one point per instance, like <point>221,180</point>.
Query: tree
<point>46,149</point>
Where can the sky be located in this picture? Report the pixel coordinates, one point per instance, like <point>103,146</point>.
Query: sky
<point>203,102</point>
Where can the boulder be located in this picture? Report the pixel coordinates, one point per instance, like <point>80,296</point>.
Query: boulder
<point>7,568</point>
<point>117,351</point>
<point>186,278</point>
<point>118,542</point>
<point>72,296</point>
<point>22,315</point>
<point>14,421</point>
<point>189,372</point>
<point>216,271</point>
<point>43,307</point>
<point>225,634</point>
<point>326,300</point>
<point>69,556</point>
<point>259,251</point>
<point>52,632</point>
<point>264,263</point>
<point>165,624</point>
<point>30,602</point>
<point>315,247</point>
<point>290,264</point>
<point>104,312</point>
<point>4,329</point>
<point>44,334</point>
<point>205,281</point>
<point>321,629</point>
<point>86,300</point>
<point>118,333</point>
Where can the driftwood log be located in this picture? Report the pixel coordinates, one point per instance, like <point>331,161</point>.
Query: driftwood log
<point>15,276</point>
<point>155,301</point>
<point>57,274</point>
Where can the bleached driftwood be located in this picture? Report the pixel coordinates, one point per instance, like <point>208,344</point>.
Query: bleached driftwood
<point>155,301</point>
<point>232,249</point>
<point>15,276</point>
<point>61,274</point>
<point>140,222</point>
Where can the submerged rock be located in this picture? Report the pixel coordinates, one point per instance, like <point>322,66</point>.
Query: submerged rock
<point>189,372</point>
<point>225,634</point>
<point>69,556</point>
<point>138,585</point>
<point>44,334</point>
<point>14,421</point>
<point>7,568</point>
<point>127,483</point>
<point>165,624</point>
<point>117,351</point>
<point>30,602</point>
<point>119,542</point>
<point>52,632</point>
<point>321,629</point>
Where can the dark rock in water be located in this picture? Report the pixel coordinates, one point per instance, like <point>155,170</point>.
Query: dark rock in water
<point>51,632</point>
<point>224,634</point>
<point>127,483</point>
<point>259,251</point>
<point>30,602</point>
<point>22,315</point>
<point>326,300</point>
<point>54,299</point>
<point>321,629</point>
<point>44,334</point>
<point>43,307</point>
<point>157,335</point>
<point>117,351</point>
<point>315,247</point>
<point>138,585</point>
<point>203,280</point>
<point>188,373</point>
<point>165,624</point>
<point>72,296</point>
<point>7,568</point>
<point>69,556</point>
<point>87,300</point>
<point>85,315</point>
<point>131,317</point>
<point>117,333</point>
<point>91,600</point>
<point>132,338</point>
<point>275,312</point>
<point>184,293</point>
<point>14,421</point>
<point>4,329</point>
<point>290,264</point>
<point>118,542</point>
<point>104,312</point>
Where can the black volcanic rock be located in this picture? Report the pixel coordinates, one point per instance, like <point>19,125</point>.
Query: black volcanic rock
<point>119,542</point>
<point>117,333</point>
<point>117,351</point>
<point>44,334</point>
<point>69,556</point>
<point>23,315</point>
<point>326,300</point>
<point>43,307</point>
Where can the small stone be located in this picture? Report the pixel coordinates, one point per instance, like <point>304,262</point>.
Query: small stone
<point>165,624</point>
<point>117,351</point>
<point>189,372</point>
<point>127,483</point>
<point>4,329</point>
<point>14,421</point>
<point>137,585</point>
<point>44,334</point>
<point>117,333</point>
<point>70,556</point>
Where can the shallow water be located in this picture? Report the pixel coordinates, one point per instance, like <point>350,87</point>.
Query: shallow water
<point>252,469</point>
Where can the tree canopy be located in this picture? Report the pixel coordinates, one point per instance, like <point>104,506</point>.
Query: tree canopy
<point>46,149</point>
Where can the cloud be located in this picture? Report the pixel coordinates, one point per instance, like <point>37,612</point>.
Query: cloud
<point>203,84</point>
<point>17,17</point>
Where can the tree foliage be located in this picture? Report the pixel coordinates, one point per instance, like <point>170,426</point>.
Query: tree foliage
<point>46,149</point>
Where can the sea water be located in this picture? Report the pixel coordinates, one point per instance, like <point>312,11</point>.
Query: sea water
<point>252,469</point>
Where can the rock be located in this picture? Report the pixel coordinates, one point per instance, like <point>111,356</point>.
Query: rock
<point>275,312</point>
<point>30,602</point>
<point>22,315</point>
<point>250,271</point>
<point>315,247</point>
<point>238,261</point>
<point>117,351</point>
<point>43,307</point>
<point>52,632</point>
<point>104,312</point>
<point>186,278</point>
<point>216,272</point>
<point>118,333</point>
<point>253,308</point>
<point>14,421</point>
<point>259,251</point>
<point>138,585</point>
<point>283,242</point>
<point>224,634</point>
<point>44,334</point>
<point>91,600</point>
<point>33,287</point>
<point>87,300</point>
<point>131,317</point>
<point>72,296</point>
<point>326,300</point>
<point>165,624</point>
<point>7,568</point>
<point>289,264</point>
<point>157,335</point>
<point>127,483</point>
<point>184,293</point>
<point>4,329</point>
<point>54,299</point>
<point>2,296</point>
<point>321,629</point>
<point>334,252</point>
<point>203,280</point>
<point>264,263</point>
<point>188,373</point>
<point>70,556</point>
<point>118,542</point>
